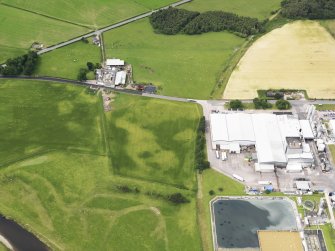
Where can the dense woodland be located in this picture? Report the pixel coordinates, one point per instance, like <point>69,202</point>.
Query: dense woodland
<point>310,9</point>
<point>221,21</point>
<point>172,21</point>
<point>25,65</point>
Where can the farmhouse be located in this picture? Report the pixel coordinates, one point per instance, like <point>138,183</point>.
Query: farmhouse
<point>279,139</point>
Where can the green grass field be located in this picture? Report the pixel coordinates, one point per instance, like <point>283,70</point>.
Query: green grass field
<point>185,66</point>
<point>90,13</point>
<point>65,62</point>
<point>36,117</point>
<point>325,107</point>
<point>19,29</point>
<point>168,152</point>
<point>329,235</point>
<point>250,8</point>
<point>59,173</point>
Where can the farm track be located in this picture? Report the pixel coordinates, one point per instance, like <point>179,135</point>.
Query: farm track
<point>110,27</point>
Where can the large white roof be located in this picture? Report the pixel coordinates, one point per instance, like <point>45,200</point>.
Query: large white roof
<point>269,144</point>
<point>234,127</point>
<point>240,127</point>
<point>266,130</point>
<point>306,128</point>
<point>219,127</point>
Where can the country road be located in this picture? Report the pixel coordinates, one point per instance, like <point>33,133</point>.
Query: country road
<point>110,27</point>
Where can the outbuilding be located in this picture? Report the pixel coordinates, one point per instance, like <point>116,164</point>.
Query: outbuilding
<point>303,186</point>
<point>114,62</point>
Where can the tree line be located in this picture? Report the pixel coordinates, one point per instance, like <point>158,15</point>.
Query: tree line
<point>310,9</point>
<point>25,65</point>
<point>172,21</point>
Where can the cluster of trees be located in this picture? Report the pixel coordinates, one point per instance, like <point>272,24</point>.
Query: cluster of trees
<point>311,9</point>
<point>236,104</point>
<point>172,21</point>
<point>175,198</point>
<point>221,21</point>
<point>201,162</point>
<point>261,103</point>
<point>25,65</point>
<point>282,104</point>
<point>82,75</point>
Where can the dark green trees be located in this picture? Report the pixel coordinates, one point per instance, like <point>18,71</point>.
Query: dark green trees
<point>25,65</point>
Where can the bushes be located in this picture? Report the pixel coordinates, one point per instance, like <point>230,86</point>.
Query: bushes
<point>235,104</point>
<point>311,9</point>
<point>25,65</point>
<point>172,21</point>
<point>282,104</point>
<point>201,162</point>
<point>177,198</point>
<point>82,74</point>
<point>261,103</point>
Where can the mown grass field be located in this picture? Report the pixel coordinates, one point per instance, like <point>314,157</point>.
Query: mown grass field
<point>90,13</point>
<point>184,66</point>
<point>37,117</point>
<point>329,235</point>
<point>153,139</point>
<point>65,62</point>
<point>295,56</point>
<point>60,170</point>
<point>325,107</point>
<point>260,9</point>
<point>19,29</point>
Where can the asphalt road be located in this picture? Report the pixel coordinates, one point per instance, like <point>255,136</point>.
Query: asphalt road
<point>107,28</point>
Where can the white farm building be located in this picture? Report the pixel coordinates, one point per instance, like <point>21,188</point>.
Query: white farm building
<point>120,78</point>
<point>114,62</point>
<point>279,139</point>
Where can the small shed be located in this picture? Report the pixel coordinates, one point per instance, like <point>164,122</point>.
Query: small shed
<point>294,168</point>
<point>303,185</point>
<point>264,168</point>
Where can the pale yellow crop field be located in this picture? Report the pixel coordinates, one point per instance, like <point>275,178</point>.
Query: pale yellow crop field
<point>299,55</point>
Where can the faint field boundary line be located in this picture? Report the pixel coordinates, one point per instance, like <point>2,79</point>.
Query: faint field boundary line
<point>47,16</point>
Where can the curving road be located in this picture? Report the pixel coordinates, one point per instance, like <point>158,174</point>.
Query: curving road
<point>110,27</point>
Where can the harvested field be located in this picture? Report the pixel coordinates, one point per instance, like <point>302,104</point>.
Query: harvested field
<point>300,55</point>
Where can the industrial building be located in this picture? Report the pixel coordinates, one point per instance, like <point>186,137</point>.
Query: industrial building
<point>280,140</point>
